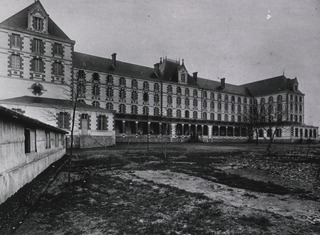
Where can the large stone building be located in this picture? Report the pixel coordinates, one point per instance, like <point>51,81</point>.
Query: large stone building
<point>153,103</point>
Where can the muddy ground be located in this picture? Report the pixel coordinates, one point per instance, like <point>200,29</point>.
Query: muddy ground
<point>196,189</point>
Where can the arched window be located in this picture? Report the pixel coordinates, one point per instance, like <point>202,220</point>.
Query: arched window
<point>178,101</point>
<point>109,92</point>
<point>122,108</point>
<point>187,102</point>
<point>232,108</point>
<point>219,106</point>
<point>219,117</point>
<point>226,107</point>
<point>169,99</point>
<point>179,90</point>
<point>134,95</point>
<point>145,97</point>
<point>270,99</point>
<point>279,98</point>
<point>232,99</point>
<point>187,92</point>
<point>205,104</point>
<point>145,110</point>
<point>205,94</point>
<point>232,118</point>
<point>169,89</point>
<point>300,108</point>
<point>226,118</point>
<point>178,113</point>
<point>239,100</point>
<point>156,87</point>
<point>95,78</point>
<point>239,108</point>
<point>204,116</point>
<point>219,96</point>
<point>122,93</point>
<point>122,82</point>
<point>245,100</point>
<point>212,105</point>
<point>156,111</point>
<point>195,114</point>
<point>262,101</point>
<point>109,106</point>
<point>95,90</point>
<point>195,103</point>
<point>81,75</point>
<point>226,98</point>
<point>186,114</point>
<point>212,116</point>
<point>109,80</point>
<point>169,112</point>
<point>134,84</point>
<point>156,98</point>
<point>195,93</point>
<point>145,86</point>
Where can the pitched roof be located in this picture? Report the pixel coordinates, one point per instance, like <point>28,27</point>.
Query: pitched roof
<point>20,21</point>
<point>99,64</point>
<point>15,116</point>
<point>50,103</point>
<point>271,86</point>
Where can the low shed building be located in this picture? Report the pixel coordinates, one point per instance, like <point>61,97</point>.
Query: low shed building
<point>27,147</point>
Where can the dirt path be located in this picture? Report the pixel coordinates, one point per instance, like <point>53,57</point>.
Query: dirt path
<point>284,205</point>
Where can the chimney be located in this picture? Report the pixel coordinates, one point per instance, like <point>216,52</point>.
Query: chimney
<point>160,60</point>
<point>195,76</point>
<point>223,82</point>
<point>114,60</point>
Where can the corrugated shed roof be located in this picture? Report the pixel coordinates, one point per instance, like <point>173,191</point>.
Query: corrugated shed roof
<point>15,116</point>
<point>20,21</point>
<point>50,103</point>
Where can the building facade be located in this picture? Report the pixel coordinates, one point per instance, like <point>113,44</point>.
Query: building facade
<point>27,147</point>
<point>150,104</point>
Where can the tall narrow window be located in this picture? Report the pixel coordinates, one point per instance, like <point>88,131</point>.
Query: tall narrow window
<point>134,109</point>
<point>145,110</point>
<point>134,83</point>
<point>145,86</point>
<point>134,96</point>
<point>195,93</point>
<point>37,65</point>
<point>95,90</point>
<point>102,122</point>
<point>187,92</point>
<point>57,49</point>
<point>186,114</point>
<point>156,111</point>
<point>178,113</point>
<point>37,46</point>
<point>57,69</point>
<point>30,140</point>
<point>169,112</point>
<point>156,87</point>
<point>109,106</point>
<point>109,92</point>
<point>109,80</point>
<point>122,82</point>
<point>156,98</point>
<point>48,140</point>
<point>195,114</point>
<point>122,94</point>
<point>122,108</point>
<point>169,89</point>
<point>38,23</point>
<point>63,120</point>
<point>15,41</point>
<point>15,62</point>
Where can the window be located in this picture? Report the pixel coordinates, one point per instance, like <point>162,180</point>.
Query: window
<point>205,104</point>
<point>239,108</point>
<point>187,102</point>
<point>156,87</point>
<point>156,98</point>
<point>169,112</point>
<point>109,106</point>
<point>95,90</point>
<point>239,100</point>
<point>178,101</point>
<point>204,116</point>
<point>195,103</point>
<point>183,77</point>
<point>109,92</point>
<point>57,49</point>
<point>219,117</point>
<point>178,113</point>
<point>48,141</point>
<point>270,100</point>
<point>134,83</point>
<point>245,100</point>
<point>179,90</point>
<point>134,96</point>
<point>57,69</point>
<point>300,99</point>
<point>81,75</point>
<point>169,99</point>
<point>95,104</point>
<point>156,111</point>
<point>64,120</point>
<point>232,108</point>
<point>195,114</point>
<point>145,97</point>
<point>212,95</point>
<point>56,140</point>
<point>187,92</point>
<point>261,133</point>
<point>38,46</point>
<point>122,108</point>
<point>169,89</point>
<point>134,109</point>
<point>102,122</point>
<point>226,118</point>
<point>212,105</point>
<point>226,98</point>
<point>239,118</point>
<point>37,65</point>
<point>145,86</point>
<point>219,106</point>
<point>205,94</point>
<point>233,118</point>
<point>30,140</point>
<point>122,94</point>
<point>186,114</point>
<point>15,62</point>
<point>122,82</point>
<point>232,99</point>
<point>37,23</point>
<point>109,80</point>
<point>15,41</point>
<point>195,93</point>
<point>226,107</point>
<point>219,96</point>
<point>212,116</point>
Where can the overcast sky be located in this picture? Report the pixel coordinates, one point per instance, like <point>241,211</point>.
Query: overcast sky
<point>216,38</point>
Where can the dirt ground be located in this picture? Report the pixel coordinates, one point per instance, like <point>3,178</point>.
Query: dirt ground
<point>183,189</point>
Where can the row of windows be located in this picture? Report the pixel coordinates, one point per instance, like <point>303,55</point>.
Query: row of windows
<point>37,45</point>
<point>37,65</point>
<point>64,120</point>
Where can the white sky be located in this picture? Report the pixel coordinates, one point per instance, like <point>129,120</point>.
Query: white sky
<point>216,38</point>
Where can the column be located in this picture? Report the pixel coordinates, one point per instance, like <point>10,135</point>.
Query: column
<point>202,130</point>
<point>189,129</point>
<point>195,130</point>
<point>149,123</point>
<point>137,127</point>
<point>218,130</point>
<point>182,129</point>
<point>233,131</point>
<point>173,129</point>
<point>160,124</point>
<point>210,131</point>
<point>123,127</point>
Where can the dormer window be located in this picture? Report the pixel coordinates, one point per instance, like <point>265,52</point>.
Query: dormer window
<point>295,87</point>
<point>37,23</point>
<point>183,77</point>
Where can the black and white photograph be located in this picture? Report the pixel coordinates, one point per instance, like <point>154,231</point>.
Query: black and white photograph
<point>176,117</point>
